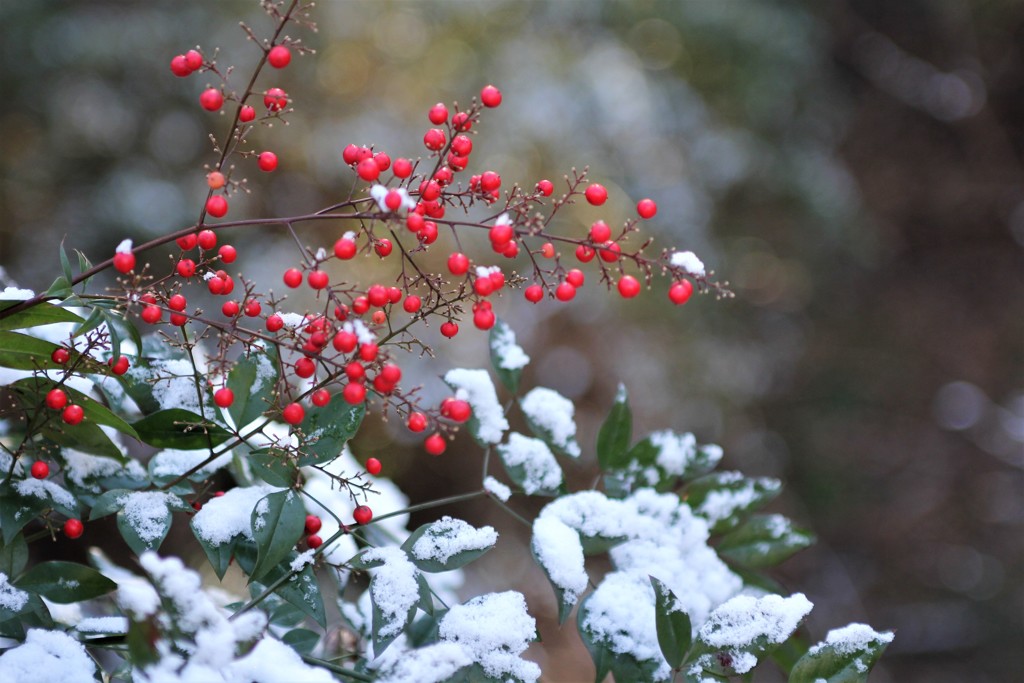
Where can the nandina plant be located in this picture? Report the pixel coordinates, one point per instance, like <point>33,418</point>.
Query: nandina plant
<point>134,401</point>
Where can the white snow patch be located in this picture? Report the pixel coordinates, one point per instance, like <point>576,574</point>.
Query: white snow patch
<point>11,598</point>
<point>124,247</point>
<point>393,587</point>
<point>853,638</point>
<point>483,399</point>
<point>16,294</point>
<point>227,516</point>
<point>47,490</point>
<point>689,262</point>
<point>553,413</point>
<point>432,664</point>
<point>503,345</point>
<point>148,513</point>
<point>106,625</point>
<point>497,489</point>
<point>496,629</point>
<point>47,656</point>
<point>380,193</point>
<point>540,469</point>
<point>172,462</point>
<point>558,549</point>
<point>81,467</point>
<point>449,536</point>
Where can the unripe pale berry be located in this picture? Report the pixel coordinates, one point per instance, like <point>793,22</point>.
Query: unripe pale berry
<point>40,470</point>
<point>435,444</point>
<point>629,287</point>
<point>211,99</point>
<point>646,208</point>
<point>73,528</point>
<point>224,397</point>
<point>362,514</point>
<point>680,292</point>
<point>279,56</point>
<point>73,414</point>
<point>215,180</point>
<point>217,206</point>
<point>56,399</point>
<point>373,466</point>
<point>490,96</point>
<point>293,413</point>
<point>267,161</point>
<point>124,261</point>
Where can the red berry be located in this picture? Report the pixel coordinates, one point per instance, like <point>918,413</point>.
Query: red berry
<point>188,242</point>
<point>483,286</point>
<point>547,250</point>
<point>382,160</point>
<point>211,99</point>
<point>179,66</point>
<point>120,367</point>
<point>438,114</point>
<point>313,524</point>
<point>462,145</point>
<point>484,319</point>
<point>449,329</point>
<point>609,252</point>
<point>73,528</point>
<point>417,422</point>
<point>230,309</point>
<point>246,114</point>
<point>368,352</point>
<point>177,303</point>
<point>377,295</point>
<point>600,232</point>
<point>279,56</point>
<point>629,286</point>
<point>402,168</point>
<point>393,200</point>
<point>177,319</point>
<point>565,292</point>
<point>490,96</point>
<point>575,278</point>
<point>354,393</point>
<point>430,190</point>
<point>314,541</point>
<point>267,161</point>
<point>534,293</point>
<point>490,181</point>
<point>317,279</point>
<point>434,139</point>
<point>275,99</point>
<point>293,277</point>
<point>394,295</point>
<point>461,121</point>
<point>435,444</point>
<point>456,410</point>
<point>193,59</point>
<point>293,413</point>
<point>383,247</point>
<point>458,263</point>
<point>253,308</point>
<point>680,292</point>
<point>207,239</point>
<point>217,206</point>
<point>545,187</point>
<point>350,154</point>
<point>367,170</point>
<point>373,466</point>
<point>274,323</point>
<point>584,253</point>
<point>305,367</point>
<point>40,470</point>
<point>224,397</point>
<point>227,253</point>
<point>596,194</point>
<point>412,303</point>
<point>501,234</point>
<point>73,414</point>
<point>646,208</point>
<point>151,314</point>
<point>320,398</point>
<point>428,233</point>
<point>60,355</point>
<point>355,371</point>
<point>362,514</point>
<point>56,399</point>
<point>344,248</point>
<point>124,261</point>
<point>345,342</point>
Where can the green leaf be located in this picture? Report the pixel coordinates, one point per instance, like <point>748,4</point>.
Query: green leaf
<point>16,511</point>
<point>844,660</point>
<point>91,323</point>
<point>616,432</point>
<point>675,633</point>
<point>600,653</point>
<point>764,541</point>
<point>65,582</point>
<point>181,429</point>
<point>33,614</point>
<point>218,555</point>
<point>60,289</point>
<point>564,606</point>
<point>300,590</point>
<point>25,352</point>
<point>302,640</point>
<point>274,467</point>
<point>65,264</point>
<point>254,380</point>
<point>14,556</point>
<point>145,519</point>
<point>380,621</point>
<point>504,352</point>
<point>33,390</point>
<point>726,499</point>
<point>426,602</point>
<point>42,313</point>
<point>326,431</point>
<point>439,532</point>
<point>142,638</point>
<point>108,503</point>
<point>278,521</point>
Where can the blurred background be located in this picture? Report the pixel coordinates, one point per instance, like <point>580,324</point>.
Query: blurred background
<point>852,168</point>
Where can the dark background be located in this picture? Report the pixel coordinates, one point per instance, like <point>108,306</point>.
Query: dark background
<point>853,168</point>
